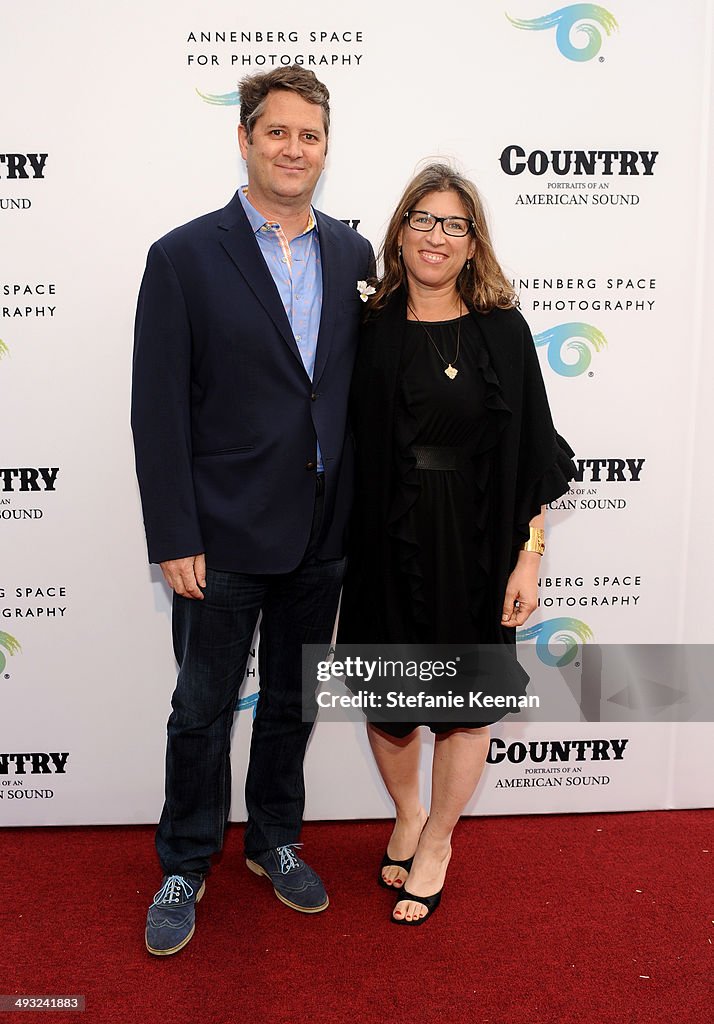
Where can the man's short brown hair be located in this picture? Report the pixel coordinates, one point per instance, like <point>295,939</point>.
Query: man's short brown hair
<point>254,90</point>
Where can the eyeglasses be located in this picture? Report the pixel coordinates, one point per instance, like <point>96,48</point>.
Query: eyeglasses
<point>421,220</point>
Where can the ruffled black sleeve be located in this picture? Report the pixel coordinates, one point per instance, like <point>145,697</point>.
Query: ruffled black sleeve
<point>545,458</point>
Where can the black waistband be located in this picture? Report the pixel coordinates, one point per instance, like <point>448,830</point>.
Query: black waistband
<point>440,457</point>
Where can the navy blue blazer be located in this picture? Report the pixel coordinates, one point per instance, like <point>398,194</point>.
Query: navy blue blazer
<point>224,415</point>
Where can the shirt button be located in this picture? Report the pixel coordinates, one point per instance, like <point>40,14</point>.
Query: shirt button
<point>284,259</point>
<point>311,465</point>
<point>298,337</point>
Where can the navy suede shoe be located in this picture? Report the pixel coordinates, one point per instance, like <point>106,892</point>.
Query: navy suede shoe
<point>171,920</point>
<point>294,882</point>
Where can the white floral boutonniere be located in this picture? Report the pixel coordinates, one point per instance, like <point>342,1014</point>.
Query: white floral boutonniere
<point>365,290</point>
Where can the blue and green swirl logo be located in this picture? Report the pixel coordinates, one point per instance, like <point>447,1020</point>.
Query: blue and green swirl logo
<point>587,19</point>
<point>11,645</point>
<point>565,632</point>
<point>572,338</point>
<point>226,99</point>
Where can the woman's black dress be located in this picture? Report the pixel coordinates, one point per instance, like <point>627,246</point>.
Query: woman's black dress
<point>441,521</point>
<point>449,473</point>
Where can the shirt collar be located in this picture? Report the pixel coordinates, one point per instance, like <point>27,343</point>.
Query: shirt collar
<point>257,220</point>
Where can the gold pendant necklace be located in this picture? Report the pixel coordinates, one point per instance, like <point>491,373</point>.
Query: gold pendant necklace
<point>449,369</point>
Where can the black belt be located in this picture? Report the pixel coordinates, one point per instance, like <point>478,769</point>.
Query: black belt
<point>439,457</point>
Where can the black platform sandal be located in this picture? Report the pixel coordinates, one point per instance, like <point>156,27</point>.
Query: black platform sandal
<point>430,902</point>
<point>388,862</point>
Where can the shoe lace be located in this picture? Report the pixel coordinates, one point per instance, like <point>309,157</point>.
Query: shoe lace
<point>288,860</point>
<point>173,889</point>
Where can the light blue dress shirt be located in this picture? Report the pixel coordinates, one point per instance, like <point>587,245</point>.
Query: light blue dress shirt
<point>295,267</point>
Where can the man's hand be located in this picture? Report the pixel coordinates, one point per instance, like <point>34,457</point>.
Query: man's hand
<point>186,576</point>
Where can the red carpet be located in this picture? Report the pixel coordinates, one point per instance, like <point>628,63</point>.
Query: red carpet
<point>545,920</point>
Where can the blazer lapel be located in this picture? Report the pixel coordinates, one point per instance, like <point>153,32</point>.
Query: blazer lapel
<point>331,260</point>
<point>239,241</point>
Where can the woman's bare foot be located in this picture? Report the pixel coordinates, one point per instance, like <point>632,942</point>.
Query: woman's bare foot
<point>402,844</point>
<point>426,877</point>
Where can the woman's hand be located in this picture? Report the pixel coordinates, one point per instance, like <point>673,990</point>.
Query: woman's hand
<point>522,590</point>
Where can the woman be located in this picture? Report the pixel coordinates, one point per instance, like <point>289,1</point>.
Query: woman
<point>456,455</point>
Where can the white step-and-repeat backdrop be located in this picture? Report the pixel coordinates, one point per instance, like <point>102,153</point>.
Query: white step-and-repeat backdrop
<point>588,131</point>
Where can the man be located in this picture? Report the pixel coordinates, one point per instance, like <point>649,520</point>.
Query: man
<point>246,332</point>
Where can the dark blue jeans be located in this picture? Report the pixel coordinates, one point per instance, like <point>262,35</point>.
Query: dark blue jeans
<point>212,641</point>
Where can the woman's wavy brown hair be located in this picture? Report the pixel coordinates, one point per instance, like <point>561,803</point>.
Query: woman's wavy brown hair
<point>482,285</point>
